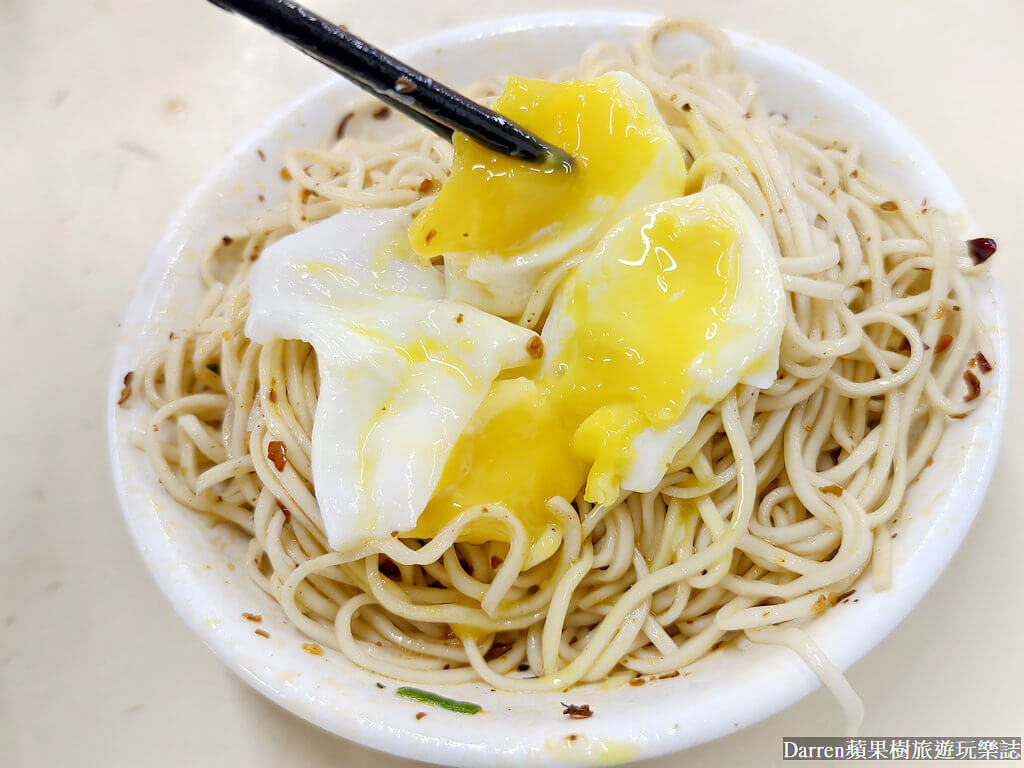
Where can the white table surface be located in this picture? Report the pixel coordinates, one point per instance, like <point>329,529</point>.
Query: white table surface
<point>111,110</point>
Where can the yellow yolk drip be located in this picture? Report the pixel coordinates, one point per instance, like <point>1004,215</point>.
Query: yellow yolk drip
<point>513,453</point>
<point>633,321</point>
<point>495,204</point>
<point>639,325</point>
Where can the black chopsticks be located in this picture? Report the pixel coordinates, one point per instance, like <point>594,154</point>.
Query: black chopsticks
<point>409,91</point>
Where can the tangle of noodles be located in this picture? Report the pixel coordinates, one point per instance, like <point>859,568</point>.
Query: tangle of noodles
<point>778,504</point>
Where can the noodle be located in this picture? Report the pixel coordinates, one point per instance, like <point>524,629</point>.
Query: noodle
<point>774,509</point>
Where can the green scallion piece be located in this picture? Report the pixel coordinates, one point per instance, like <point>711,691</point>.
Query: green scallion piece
<point>426,697</point>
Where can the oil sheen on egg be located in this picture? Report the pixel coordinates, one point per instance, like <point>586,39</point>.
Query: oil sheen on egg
<point>501,223</point>
<point>401,369</point>
<point>678,304</point>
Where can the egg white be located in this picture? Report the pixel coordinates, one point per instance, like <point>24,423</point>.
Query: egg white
<point>384,423</point>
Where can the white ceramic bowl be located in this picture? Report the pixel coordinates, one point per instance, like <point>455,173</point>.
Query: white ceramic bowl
<point>196,566</point>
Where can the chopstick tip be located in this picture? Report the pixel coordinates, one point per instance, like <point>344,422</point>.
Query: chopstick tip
<point>560,158</point>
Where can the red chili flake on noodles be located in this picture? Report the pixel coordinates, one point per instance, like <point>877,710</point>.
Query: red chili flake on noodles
<point>973,386</point>
<point>983,364</point>
<point>535,348</point>
<point>499,649</point>
<point>276,453</point>
<point>577,711</point>
<point>287,512</point>
<point>342,125</point>
<point>126,390</point>
<point>981,249</point>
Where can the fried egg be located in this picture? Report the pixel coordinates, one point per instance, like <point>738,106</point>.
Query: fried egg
<point>431,404</point>
<point>501,224</point>
<point>402,370</point>
<point>678,304</point>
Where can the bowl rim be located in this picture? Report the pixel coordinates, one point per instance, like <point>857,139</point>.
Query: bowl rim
<point>399,742</point>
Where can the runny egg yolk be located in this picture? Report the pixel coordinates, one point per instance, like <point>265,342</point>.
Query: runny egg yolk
<point>496,204</point>
<point>630,327</point>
